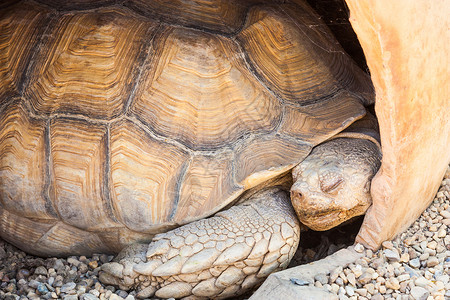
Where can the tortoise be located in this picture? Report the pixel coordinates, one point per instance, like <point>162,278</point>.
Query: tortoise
<point>126,122</point>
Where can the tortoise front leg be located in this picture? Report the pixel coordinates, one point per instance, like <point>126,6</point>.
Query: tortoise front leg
<point>218,257</point>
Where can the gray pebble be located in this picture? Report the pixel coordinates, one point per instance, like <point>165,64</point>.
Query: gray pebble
<point>59,265</point>
<point>121,293</point>
<point>110,288</point>
<point>105,258</point>
<point>322,278</point>
<point>42,289</point>
<point>300,282</point>
<point>68,287</point>
<point>41,270</point>
<point>392,255</point>
<point>419,293</point>
<point>350,290</point>
<point>415,263</point>
<point>51,280</point>
<point>88,296</point>
<point>73,261</point>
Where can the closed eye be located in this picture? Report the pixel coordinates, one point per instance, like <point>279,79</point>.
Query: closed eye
<point>329,183</point>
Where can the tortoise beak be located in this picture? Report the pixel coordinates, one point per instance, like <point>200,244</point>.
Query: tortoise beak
<point>313,210</point>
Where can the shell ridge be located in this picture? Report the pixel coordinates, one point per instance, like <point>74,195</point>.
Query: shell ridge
<point>31,63</point>
<point>177,192</point>
<point>106,187</point>
<point>167,20</point>
<point>139,122</point>
<point>48,174</point>
<point>145,60</point>
<point>253,70</point>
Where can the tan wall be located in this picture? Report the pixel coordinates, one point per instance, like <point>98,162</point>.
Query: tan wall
<point>407,46</point>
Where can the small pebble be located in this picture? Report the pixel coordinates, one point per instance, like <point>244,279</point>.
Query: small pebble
<point>121,293</point>
<point>432,261</point>
<point>419,293</point>
<point>350,290</point>
<point>415,263</point>
<point>365,278</point>
<point>93,264</point>
<point>404,257</point>
<point>41,270</point>
<point>322,278</point>
<point>403,277</point>
<point>393,283</point>
<point>42,289</point>
<point>88,296</point>
<point>387,244</point>
<point>392,255</point>
<point>421,281</point>
<point>359,248</point>
<point>66,288</point>
<point>115,297</point>
<point>361,292</point>
<point>445,214</point>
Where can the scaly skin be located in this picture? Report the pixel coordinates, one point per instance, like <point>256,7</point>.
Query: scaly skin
<point>332,185</point>
<point>218,257</point>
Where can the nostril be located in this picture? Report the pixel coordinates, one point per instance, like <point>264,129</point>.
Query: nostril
<point>296,194</point>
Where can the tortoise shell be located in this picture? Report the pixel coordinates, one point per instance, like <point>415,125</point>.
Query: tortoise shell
<point>118,122</point>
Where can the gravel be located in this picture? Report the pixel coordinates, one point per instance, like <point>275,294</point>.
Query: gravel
<point>415,265</point>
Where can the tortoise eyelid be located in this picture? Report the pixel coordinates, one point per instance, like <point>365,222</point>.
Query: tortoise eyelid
<point>329,188</point>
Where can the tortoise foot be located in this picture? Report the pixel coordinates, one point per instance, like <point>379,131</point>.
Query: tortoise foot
<point>218,257</point>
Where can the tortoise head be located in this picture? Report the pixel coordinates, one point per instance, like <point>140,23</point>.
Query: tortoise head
<point>332,185</point>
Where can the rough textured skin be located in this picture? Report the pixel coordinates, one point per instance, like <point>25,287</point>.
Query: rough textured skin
<point>217,257</point>
<point>332,184</point>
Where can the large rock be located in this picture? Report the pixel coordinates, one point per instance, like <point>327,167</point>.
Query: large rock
<point>292,284</point>
<point>406,44</point>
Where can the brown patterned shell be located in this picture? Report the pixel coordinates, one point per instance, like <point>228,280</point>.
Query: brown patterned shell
<point>118,121</point>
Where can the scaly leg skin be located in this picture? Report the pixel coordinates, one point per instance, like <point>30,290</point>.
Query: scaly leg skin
<point>219,257</point>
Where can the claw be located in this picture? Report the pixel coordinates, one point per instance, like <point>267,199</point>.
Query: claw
<point>157,248</point>
<point>146,268</point>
